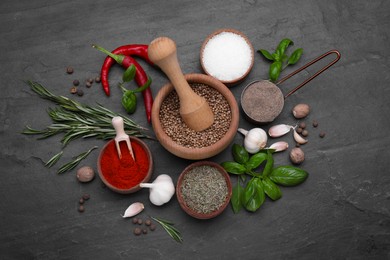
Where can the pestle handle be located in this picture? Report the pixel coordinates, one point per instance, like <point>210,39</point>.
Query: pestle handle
<point>162,52</point>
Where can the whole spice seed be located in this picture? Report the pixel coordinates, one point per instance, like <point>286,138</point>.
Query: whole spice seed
<point>204,189</point>
<point>135,220</point>
<point>88,84</point>
<point>302,125</point>
<point>305,133</point>
<point>97,79</point>
<point>322,134</point>
<point>179,132</point>
<point>315,123</point>
<point>69,70</point>
<point>81,208</point>
<point>81,201</point>
<point>86,196</point>
<point>76,82</point>
<point>152,227</point>
<point>80,92</point>
<point>137,231</point>
<point>73,90</point>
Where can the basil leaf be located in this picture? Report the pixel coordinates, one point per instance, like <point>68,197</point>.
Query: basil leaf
<point>274,70</point>
<point>295,56</point>
<point>129,101</point>
<point>129,74</point>
<point>236,200</point>
<point>266,54</point>
<point>270,163</point>
<point>253,195</point>
<point>240,155</point>
<point>233,167</point>
<point>255,160</point>
<point>282,47</point>
<point>277,55</point>
<point>288,175</point>
<point>271,189</point>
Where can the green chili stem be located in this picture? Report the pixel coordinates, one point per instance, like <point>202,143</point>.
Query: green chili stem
<point>118,58</point>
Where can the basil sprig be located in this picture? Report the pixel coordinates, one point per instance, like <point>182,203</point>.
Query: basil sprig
<point>251,194</point>
<point>280,60</point>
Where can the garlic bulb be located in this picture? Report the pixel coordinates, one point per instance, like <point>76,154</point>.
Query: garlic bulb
<point>255,139</point>
<point>161,189</point>
<point>133,210</point>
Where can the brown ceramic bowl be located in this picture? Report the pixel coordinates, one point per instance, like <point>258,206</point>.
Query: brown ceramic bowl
<point>232,82</point>
<point>183,203</point>
<point>195,153</point>
<point>136,187</point>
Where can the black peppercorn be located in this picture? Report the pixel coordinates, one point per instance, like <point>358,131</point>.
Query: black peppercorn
<point>88,84</point>
<point>315,123</point>
<point>81,208</point>
<point>299,130</point>
<point>97,79</point>
<point>81,201</point>
<point>302,125</point>
<point>76,82</point>
<point>135,220</point>
<point>73,90</point>
<point>137,231</point>
<point>69,70</point>
<point>305,133</point>
<point>152,227</point>
<point>322,134</point>
<point>140,221</point>
<point>145,231</point>
<point>86,196</point>
<point>80,92</point>
<point>148,222</point>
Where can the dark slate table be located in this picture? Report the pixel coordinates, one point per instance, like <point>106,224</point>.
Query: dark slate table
<point>342,211</point>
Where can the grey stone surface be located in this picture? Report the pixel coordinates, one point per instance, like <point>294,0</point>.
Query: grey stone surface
<point>342,211</point>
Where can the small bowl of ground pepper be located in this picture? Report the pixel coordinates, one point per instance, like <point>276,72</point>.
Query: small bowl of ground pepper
<point>204,189</point>
<point>175,136</point>
<point>123,175</point>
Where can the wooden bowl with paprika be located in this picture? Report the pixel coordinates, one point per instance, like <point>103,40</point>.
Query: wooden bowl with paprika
<point>123,175</point>
<point>183,142</point>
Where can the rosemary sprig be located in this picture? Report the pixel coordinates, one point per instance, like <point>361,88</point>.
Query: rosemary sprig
<point>170,229</point>
<point>76,160</point>
<point>54,159</point>
<point>77,120</point>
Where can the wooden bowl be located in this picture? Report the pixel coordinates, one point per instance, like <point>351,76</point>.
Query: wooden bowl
<point>182,201</point>
<point>195,153</point>
<point>235,81</point>
<point>136,187</point>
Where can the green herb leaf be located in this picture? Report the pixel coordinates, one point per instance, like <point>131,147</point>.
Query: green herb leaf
<point>234,167</point>
<point>70,165</point>
<point>266,54</point>
<point>295,56</point>
<point>270,163</point>
<point>253,195</point>
<point>288,175</point>
<point>274,70</point>
<point>271,189</point>
<point>237,195</point>
<point>129,73</point>
<point>170,229</point>
<point>255,160</point>
<point>129,101</point>
<point>283,45</point>
<point>240,155</point>
<point>54,159</point>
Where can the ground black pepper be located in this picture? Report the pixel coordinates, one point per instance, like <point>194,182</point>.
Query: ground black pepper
<point>180,133</point>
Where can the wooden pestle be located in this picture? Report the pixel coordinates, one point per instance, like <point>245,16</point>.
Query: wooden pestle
<point>194,109</point>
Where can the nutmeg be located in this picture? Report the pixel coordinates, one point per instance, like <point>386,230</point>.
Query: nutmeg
<point>85,174</point>
<point>297,156</point>
<point>301,110</point>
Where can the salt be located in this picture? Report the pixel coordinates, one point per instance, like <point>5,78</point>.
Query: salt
<point>227,56</point>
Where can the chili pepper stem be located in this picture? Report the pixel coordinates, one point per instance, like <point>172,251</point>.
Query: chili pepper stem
<point>140,89</point>
<point>118,58</point>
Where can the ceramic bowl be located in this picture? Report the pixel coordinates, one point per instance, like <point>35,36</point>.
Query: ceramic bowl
<point>235,81</point>
<point>136,187</point>
<point>182,201</point>
<point>203,152</point>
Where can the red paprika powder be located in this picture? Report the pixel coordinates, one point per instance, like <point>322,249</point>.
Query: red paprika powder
<point>126,172</point>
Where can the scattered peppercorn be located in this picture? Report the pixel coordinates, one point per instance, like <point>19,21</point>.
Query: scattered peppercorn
<point>80,92</point>
<point>302,125</point>
<point>305,133</point>
<point>145,231</point>
<point>73,90</point>
<point>86,196</point>
<point>90,80</point>
<point>152,227</point>
<point>81,201</point>
<point>322,134</point>
<point>76,82</point>
<point>148,222</point>
<point>315,123</point>
<point>139,221</point>
<point>137,231</point>
<point>299,130</point>
<point>97,79</point>
<point>135,220</point>
<point>81,208</point>
<point>88,84</point>
<point>69,70</point>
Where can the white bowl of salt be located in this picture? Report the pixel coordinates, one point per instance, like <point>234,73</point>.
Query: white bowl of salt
<point>227,55</point>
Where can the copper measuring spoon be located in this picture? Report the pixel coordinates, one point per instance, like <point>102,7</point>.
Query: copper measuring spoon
<point>262,101</point>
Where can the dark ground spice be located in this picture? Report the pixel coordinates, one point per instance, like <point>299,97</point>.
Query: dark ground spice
<point>179,132</point>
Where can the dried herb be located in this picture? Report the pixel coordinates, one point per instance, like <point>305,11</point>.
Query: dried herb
<point>171,230</point>
<point>76,160</point>
<point>251,195</point>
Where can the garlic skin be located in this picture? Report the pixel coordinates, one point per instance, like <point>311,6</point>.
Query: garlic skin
<point>161,189</point>
<point>255,139</point>
<point>279,130</point>
<point>279,146</point>
<point>133,209</point>
<point>299,139</point>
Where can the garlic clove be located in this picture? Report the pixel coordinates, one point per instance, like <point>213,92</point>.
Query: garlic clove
<point>299,139</point>
<point>279,146</point>
<point>133,210</point>
<point>279,130</point>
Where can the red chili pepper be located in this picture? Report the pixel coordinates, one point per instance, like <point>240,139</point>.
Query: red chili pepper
<point>140,50</point>
<point>140,77</point>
